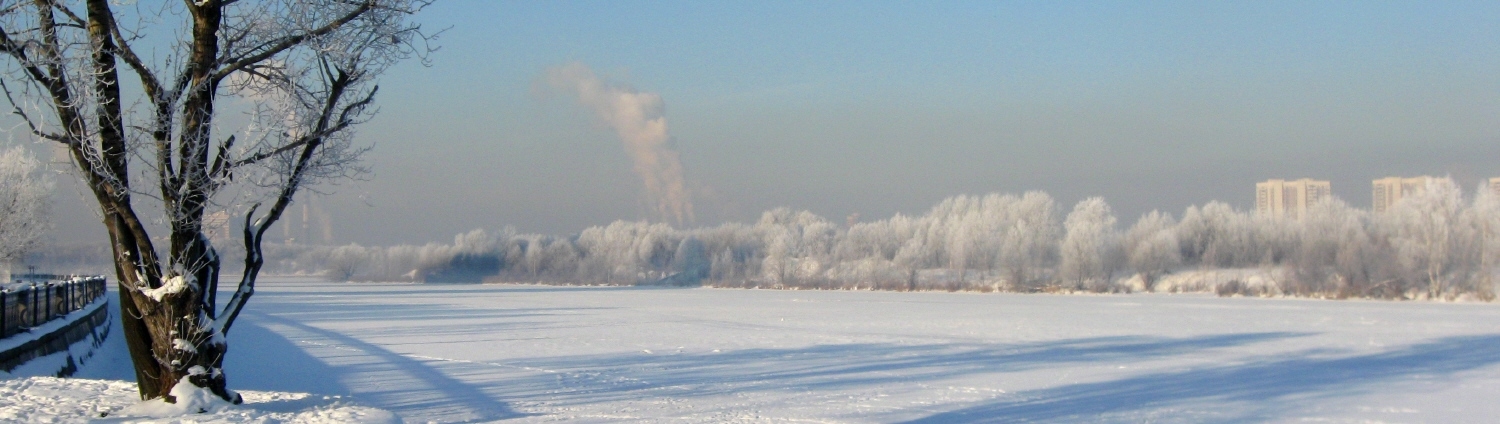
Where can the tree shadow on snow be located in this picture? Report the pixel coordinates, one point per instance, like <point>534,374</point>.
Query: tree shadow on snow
<point>435,290</point>
<point>470,322</point>
<point>404,385</point>
<point>270,362</point>
<point>601,378</point>
<point>1267,388</point>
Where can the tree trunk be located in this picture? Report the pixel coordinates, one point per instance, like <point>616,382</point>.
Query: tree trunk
<point>167,331</point>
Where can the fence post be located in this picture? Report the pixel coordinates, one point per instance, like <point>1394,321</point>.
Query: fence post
<point>4,311</point>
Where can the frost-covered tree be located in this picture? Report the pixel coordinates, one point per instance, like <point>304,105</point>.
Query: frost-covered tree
<point>620,251</point>
<point>304,70</point>
<point>965,236</point>
<point>1151,247</point>
<point>25,195</point>
<point>878,239</point>
<point>1321,235</point>
<point>691,261</point>
<point>1087,244</point>
<point>344,262</point>
<point>1219,236</point>
<point>798,244</point>
<point>1426,234</point>
<point>1484,217</point>
<point>1030,240</point>
<point>1335,250</point>
<point>973,229</point>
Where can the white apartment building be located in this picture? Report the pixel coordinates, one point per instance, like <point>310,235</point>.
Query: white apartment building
<point>1390,190</point>
<point>1290,199</point>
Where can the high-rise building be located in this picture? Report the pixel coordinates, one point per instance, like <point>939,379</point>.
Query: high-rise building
<point>315,226</point>
<point>216,226</point>
<point>1282,198</point>
<point>1390,190</point>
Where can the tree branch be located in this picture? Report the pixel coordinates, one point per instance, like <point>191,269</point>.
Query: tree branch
<point>27,119</point>
<point>55,87</point>
<point>221,159</point>
<point>343,123</point>
<point>69,13</point>
<point>284,43</point>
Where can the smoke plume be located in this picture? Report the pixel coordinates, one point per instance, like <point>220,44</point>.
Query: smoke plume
<point>638,120</point>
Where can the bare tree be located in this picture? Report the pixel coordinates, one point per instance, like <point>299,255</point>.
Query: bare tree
<point>24,195</point>
<point>306,67</point>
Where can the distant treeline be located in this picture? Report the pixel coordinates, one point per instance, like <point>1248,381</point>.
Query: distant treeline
<point>1433,244</point>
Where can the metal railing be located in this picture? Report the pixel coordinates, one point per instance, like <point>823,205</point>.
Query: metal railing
<point>25,307</point>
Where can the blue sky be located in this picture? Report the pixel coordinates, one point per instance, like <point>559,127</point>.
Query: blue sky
<point>887,107</point>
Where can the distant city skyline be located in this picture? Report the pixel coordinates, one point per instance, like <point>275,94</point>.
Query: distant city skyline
<point>1292,198</point>
<point>883,108</point>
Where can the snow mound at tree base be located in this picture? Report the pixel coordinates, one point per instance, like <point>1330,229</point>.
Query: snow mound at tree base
<point>67,400</point>
<point>190,399</point>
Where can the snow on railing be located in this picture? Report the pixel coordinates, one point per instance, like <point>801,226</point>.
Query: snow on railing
<point>33,299</point>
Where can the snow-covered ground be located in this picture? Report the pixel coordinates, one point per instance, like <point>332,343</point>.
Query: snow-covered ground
<point>103,389</point>
<point>462,353</point>
<point>67,400</point>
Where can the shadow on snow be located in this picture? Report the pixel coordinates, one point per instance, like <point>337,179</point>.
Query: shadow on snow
<point>1268,388</point>
<point>404,385</point>
<point>453,390</point>
<point>603,378</point>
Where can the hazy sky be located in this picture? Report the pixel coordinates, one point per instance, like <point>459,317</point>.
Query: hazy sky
<point>886,107</point>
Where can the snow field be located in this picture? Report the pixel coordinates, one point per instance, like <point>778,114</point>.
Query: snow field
<point>452,353</point>
<point>482,353</point>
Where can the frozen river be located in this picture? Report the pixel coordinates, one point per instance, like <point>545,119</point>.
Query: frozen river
<point>535,353</point>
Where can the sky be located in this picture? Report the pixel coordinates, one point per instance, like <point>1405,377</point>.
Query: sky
<point>879,108</point>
